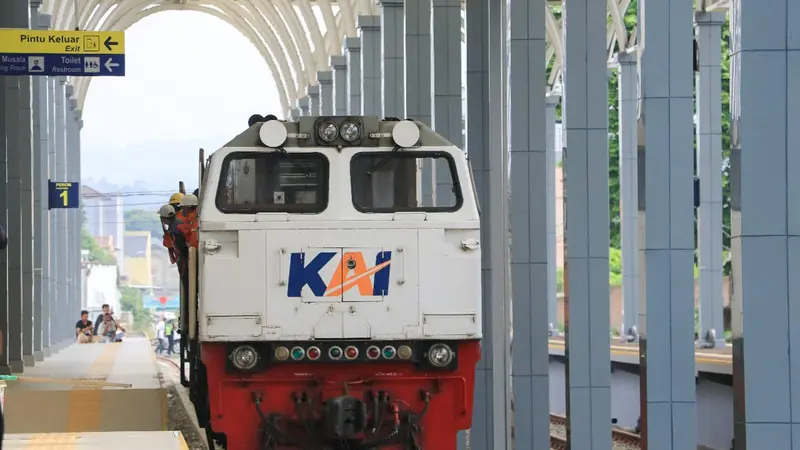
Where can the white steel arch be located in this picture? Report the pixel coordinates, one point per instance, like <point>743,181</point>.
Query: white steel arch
<point>293,41</point>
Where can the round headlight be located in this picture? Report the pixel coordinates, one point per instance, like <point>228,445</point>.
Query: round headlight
<point>244,357</point>
<point>440,355</point>
<point>350,131</point>
<point>328,131</point>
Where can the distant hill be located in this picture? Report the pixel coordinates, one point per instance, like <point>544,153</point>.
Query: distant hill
<point>136,170</point>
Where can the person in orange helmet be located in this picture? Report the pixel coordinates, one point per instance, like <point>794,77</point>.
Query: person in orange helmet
<point>167,215</point>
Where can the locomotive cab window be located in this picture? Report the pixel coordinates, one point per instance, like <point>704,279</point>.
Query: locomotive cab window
<point>404,181</point>
<point>253,183</point>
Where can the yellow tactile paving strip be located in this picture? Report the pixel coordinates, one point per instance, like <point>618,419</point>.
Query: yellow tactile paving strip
<point>85,405</point>
<point>159,440</point>
<point>700,356</point>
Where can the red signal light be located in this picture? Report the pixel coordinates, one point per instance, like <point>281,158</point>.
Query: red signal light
<point>351,352</point>
<point>313,353</point>
<point>373,352</point>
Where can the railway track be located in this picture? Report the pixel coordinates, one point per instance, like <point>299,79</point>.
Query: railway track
<point>620,439</point>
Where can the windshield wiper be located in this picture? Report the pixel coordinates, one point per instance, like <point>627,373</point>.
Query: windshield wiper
<point>383,161</point>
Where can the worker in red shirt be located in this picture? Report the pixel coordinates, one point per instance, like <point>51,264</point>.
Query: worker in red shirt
<point>188,220</point>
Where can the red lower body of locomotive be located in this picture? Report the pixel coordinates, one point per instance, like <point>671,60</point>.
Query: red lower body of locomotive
<point>299,396</point>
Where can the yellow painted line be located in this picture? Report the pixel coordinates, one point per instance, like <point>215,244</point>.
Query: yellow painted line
<point>84,411</point>
<point>52,441</point>
<point>58,42</point>
<point>182,443</point>
<point>719,360</point>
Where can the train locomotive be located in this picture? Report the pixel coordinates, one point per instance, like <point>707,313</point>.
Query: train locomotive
<point>333,301</point>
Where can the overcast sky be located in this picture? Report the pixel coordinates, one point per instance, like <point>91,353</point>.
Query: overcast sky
<point>189,77</point>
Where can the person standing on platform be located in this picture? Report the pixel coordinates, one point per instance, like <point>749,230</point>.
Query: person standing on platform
<point>168,331</point>
<point>161,336</point>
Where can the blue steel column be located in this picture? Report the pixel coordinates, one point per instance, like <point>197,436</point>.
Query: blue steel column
<point>765,223</point>
<point>313,100</point>
<point>303,104</point>
<point>369,27</point>
<point>39,102</point>
<point>393,103</point>
<point>352,50</point>
<point>5,21</point>
<point>418,78</point>
<point>478,150</point>
<point>627,81</point>
<point>666,344</point>
<point>708,30</point>
<point>69,253</point>
<point>17,133</point>
<point>527,131</point>
<point>339,65</point>
<point>73,247</point>
<point>325,78</point>
<point>552,288</point>
<point>446,63</point>
<point>27,212</point>
<point>56,326</point>
<point>497,218</point>
<point>588,374</point>
<point>76,213</point>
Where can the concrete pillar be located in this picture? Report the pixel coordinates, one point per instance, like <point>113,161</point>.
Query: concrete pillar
<point>60,223</point>
<point>708,31</point>
<point>393,101</point>
<point>478,150</point>
<point>313,100</point>
<point>369,28</point>
<point>527,131</point>
<point>627,82</point>
<point>497,213</point>
<point>295,114</point>
<point>325,78</point>
<point>5,21</point>
<point>552,268</point>
<point>67,233</point>
<point>765,223</point>
<point>302,102</point>
<point>339,65</point>
<point>75,229</point>
<point>45,109</point>
<point>39,104</point>
<point>585,118</point>
<point>446,86</point>
<point>352,51</point>
<point>418,90</point>
<point>26,209</point>
<point>666,344</point>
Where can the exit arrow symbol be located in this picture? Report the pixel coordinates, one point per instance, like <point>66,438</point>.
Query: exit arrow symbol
<point>110,64</point>
<point>109,43</point>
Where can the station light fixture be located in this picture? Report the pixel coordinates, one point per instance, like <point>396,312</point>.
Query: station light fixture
<point>335,353</point>
<point>389,352</point>
<point>440,355</point>
<point>313,353</point>
<point>281,353</point>
<point>273,133</point>
<point>405,134</point>
<point>298,353</point>
<point>244,357</point>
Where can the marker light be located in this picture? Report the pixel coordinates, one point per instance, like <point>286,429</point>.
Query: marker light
<point>440,355</point>
<point>281,353</point>
<point>350,131</point>
<point>335,353</point>
<point>373,352</point>
<point>351,352</point>
<point>244,357</point>
<point>328,131</point>
<point>314,353</point>
<point>298,353</point>
<point>405,134</point>
<point>404,352</point>
<point>273,133</point>
<point>389,352</point>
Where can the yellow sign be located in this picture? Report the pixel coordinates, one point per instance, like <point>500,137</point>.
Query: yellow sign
<point>44,42</point>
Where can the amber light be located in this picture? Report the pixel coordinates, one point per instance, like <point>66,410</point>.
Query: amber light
<point>351,352</point>
<point>313,353</point>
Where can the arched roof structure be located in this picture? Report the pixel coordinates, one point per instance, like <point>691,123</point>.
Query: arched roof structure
<point>293,41</point>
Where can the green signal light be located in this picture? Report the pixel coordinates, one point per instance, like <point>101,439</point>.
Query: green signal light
<point>298,353</point>
<point>388,352</point>
<point>336,352</point>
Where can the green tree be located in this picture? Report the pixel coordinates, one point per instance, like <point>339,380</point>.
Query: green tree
<point>142,220</point>
<point>97,255</point>
<point>132,301</point>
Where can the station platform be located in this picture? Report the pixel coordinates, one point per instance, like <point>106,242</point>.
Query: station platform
<point>156,440</point>
<point>72,391</point>
<point>708,360</point>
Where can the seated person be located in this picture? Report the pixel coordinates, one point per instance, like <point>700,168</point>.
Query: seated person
<point>84,328</point>
<point>110,330</point>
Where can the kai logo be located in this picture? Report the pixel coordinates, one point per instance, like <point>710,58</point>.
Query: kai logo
<point>351,272</point>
